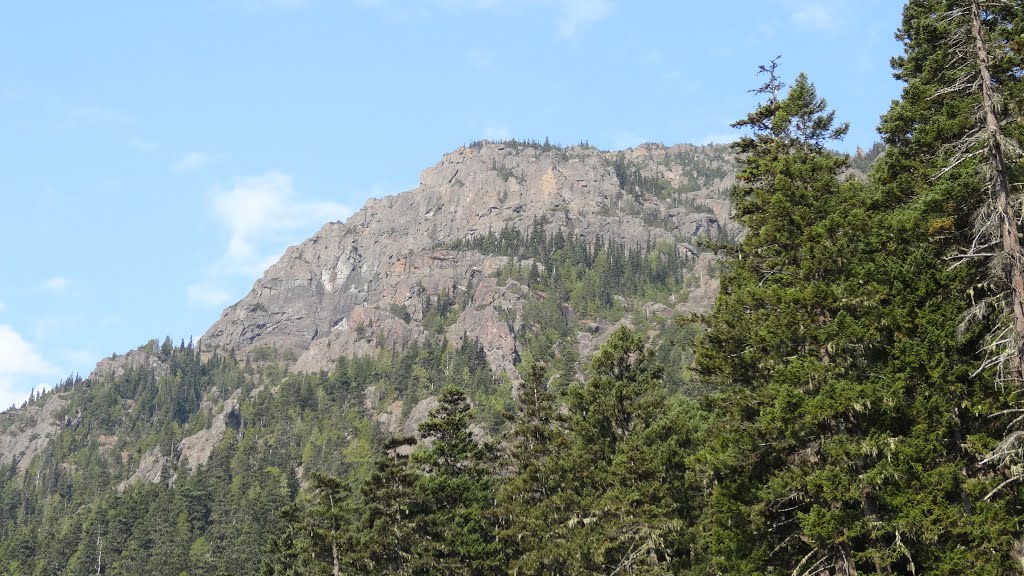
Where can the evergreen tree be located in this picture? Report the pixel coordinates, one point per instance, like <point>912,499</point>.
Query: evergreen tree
<point>790,345</point>
<point>522,514</point>
<point>944,178</point>
<point>455,490</point>
<point>954,152</point>
<point>391,512</point>
<point>319,539</point>
<point>615,500</point>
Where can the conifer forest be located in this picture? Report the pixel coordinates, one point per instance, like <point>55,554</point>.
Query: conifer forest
<point>853,402</point>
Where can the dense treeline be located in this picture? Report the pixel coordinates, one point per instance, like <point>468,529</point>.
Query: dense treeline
<point>70,513</point>
<point>864,358</point>
<point>588,273</point>
<point>599,486</point>
<point>860,380</point>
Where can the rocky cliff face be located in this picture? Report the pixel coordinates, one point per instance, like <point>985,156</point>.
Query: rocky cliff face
<point>342,292</point>
<point>357,287</point>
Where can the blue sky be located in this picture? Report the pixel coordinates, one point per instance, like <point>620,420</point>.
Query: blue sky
<point>158,156</point>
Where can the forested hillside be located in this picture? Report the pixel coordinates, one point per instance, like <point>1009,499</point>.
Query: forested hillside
<point>556,400</point>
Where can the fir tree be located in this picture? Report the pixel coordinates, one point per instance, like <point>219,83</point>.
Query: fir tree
<point>391,512</point>
<point>789,345</point>
<point>455,490</point>
<point>522,514</point>
<point>945,177</point>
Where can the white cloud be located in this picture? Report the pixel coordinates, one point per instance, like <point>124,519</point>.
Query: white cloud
<point>578,12</point>
<point>57,284</point>
<point>207,295</point>
<point>18,361</point>
<point>814,15</point>
<point>263,216</point>
<point>3,307</point>
<point>192,161</point>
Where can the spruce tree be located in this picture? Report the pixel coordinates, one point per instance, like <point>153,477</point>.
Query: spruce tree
<point>521,513</point>
<point>455,490</point>
<point>947,188</point>
<point>618,502</point>
<point>790,347</point>
<point>391,512</point>
<point>954,150</point>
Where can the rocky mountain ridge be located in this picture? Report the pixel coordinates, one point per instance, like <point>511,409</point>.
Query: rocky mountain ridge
<point>359,287</point>
<point>342,292</point>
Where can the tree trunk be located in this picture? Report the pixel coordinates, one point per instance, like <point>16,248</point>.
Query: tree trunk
<point>845,565</point>
<point>1008,232</point>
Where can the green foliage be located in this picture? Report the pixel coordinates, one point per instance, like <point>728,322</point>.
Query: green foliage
<point>455,488</point>
<point>441,312</point>
<point>586,274</point>
<point>286,430</point>
<point>401,312</point>
<point>844,420</point>
<point>791,345</point>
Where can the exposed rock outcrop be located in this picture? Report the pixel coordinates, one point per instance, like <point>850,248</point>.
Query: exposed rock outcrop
<point>360,286</point>
<point>150,471</point>
<point>140,359</point>
<point>29,430</point>
<point>195,450</point>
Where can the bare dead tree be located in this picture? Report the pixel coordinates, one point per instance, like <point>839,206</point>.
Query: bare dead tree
<point>996,236</point>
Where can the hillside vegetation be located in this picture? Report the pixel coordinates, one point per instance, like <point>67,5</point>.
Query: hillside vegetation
<point>551,395</point>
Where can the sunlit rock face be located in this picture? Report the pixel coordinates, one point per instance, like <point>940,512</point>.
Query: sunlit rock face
<point>363,285</point>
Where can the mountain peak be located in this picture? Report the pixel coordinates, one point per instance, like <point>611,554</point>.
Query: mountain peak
<point>357,287</point>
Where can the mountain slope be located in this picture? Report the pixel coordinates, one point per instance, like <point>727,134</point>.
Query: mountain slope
<point>322,297</point>
<point>172,459</point>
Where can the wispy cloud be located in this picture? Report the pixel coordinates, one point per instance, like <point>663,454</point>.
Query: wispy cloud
<point>814,15</point>
<point>263,215</point>
<point>578,12</point>
<point>57,284</point>
<point>207,295</point>
<point>19,360</point>
<point>3,307</point>
<point>192,161</point>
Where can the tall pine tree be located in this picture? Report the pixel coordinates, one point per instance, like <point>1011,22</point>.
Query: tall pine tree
<point>792,473</point>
